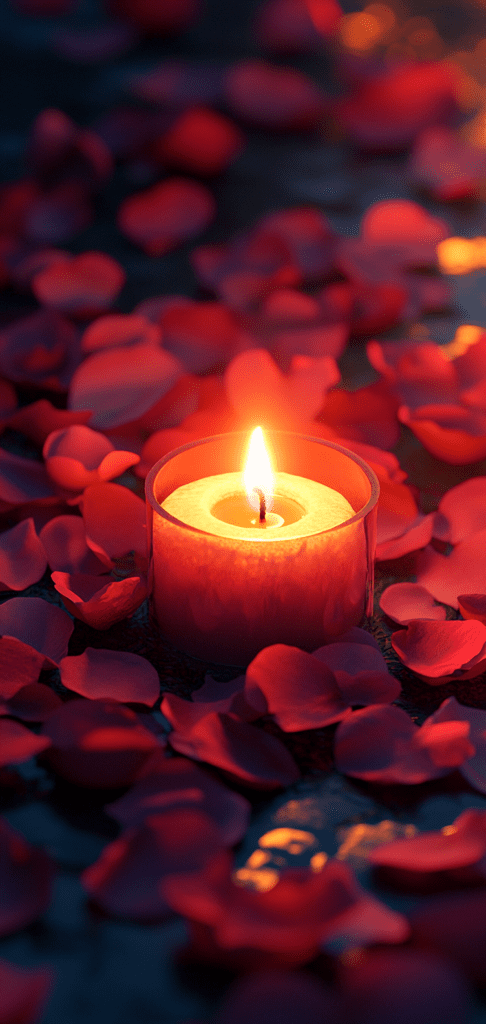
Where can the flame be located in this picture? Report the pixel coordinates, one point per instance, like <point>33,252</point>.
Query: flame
<point>258,473</point>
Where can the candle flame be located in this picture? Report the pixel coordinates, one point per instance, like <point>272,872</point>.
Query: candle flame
<point>258,473</point>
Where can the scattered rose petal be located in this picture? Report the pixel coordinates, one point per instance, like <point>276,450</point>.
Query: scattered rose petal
<point>114,518</point>
<point>111,675</point>
<point>360,671</point>
<point>368,414</point>
<point>64,541</point>
<point>461,844</point>
<point>41,418</point>
<point>259,391</point>
<point>33,703</point>
<point>449,432</point>
<point>37,623</point>
<point>166,215</point>
<point>97,743</point>
<point>82,286</point>
<point>253,756</point>
<point>79,456</point>
<point>418,372</point>
<point>39,349</point>
<point>462,511</point>
<point>461,572</point>
<point>183,715</point>
<point>22,557</point>
<point>17,743</point>
<point>100,601</point>
<point>474,767</point>
<point>23,993</point>
<point>116,329</point>
<point>20,665</point>
<point>140,375</point>
<point>126,880</point>
<point>453,926</point>
<point>273,97</point>
<point>472,606</point>
<point>379,744</point>
<point>278,997</point>
<point>443,163</point>
<point>397,511</point>
<point>418,535</point>
<point>437,649</point>
<point>179,784</point>
<point>201,141</point>
<point>286,26</point>
<point>299,691</point>
<point>22,481</point>
<point>62,153</point>
<point>27,875</point>
<point>405,601</point>
<point>200,334</point>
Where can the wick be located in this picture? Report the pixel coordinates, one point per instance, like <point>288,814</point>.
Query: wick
<point>263,504</point>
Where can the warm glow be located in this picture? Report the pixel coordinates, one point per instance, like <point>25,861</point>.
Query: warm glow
<point>258,473</point>
<point>462,255</point>
<point>465,336</point>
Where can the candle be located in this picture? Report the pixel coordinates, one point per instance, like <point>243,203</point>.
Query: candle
<point>283,558</point>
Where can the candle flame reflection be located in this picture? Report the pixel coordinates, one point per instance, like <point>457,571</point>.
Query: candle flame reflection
<point>258,473</point>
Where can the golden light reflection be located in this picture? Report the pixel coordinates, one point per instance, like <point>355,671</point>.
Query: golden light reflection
<point>465,336</point>
<point>358,840</point>
<point>260,880</point>
<point>292,840</point>
<point>261,871</point>
<point>360,31</point>
<point>449,830</point>
<point>318,861</point>
<point>462,255</point>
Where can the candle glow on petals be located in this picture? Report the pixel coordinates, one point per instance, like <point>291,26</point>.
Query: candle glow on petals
<point>258,474</point>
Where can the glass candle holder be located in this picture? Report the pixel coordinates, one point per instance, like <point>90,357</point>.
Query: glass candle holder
<point>221,591</point>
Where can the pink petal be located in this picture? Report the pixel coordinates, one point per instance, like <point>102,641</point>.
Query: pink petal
<point>462,510</point>
<point>472,606</point>
<point>405,601</point>
<point>461,844</point>
<point>139,376</point>
<point>417,371</point>
<point>22,481</point>
<point>360,672</point>
<point>41,349</point>
<point>98,743</point>
<point>33,703</point>
<point>436,649</point>
<point>17,743</point>
<point>126,880</point>
<point>97,600</point>
<point>474,768</point>
<point>114,518</point>
<point>38,623</point>
<point>453,927</point>
<point>297,689</point>
<point>23,993</point>
<point>461,572</point>
<point>111,675</point>
<point>22,557</point>
<point>169,213</point>
<point>41,418</point>
<point>378,744</point>
<point>20,665</point>
<point>449,432</point>
<point>417,536</point>
<point>201,141</point>
<point>83,286</point>
<point>182,783</point>
<point>116,329</point>
<point>273,97</point>
<point>27,875</point>
<point>64,541</point>
<point>253,756</point>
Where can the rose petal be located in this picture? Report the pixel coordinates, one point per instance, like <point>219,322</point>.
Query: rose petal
<point>461,572</point>
<point>20,665</point>
<point>273,97</point>
<point>180,83</point>
<point>117,329</point>
<point>33,703</point>
<point>64,541</point>
<point>38,623</point>
<point>436,649</point>
<point>27,875</point>
<point>474,768</point>
<point>417,371</point>
<point>57,216</point>
<point>97,743</point>
<point>360,672</point>
<point>417,536</point>
<point>449,432</point>
<point>97,600</point>
<point>257,388</point>
<point>114,518</point>
<point>164,216</point>
<point>115,675</point>
<point>22,556</point>
<point>253,756</point>
<point>458,845</point>
<point>405,601</point>
<point>156,19</point>
<point>378,744</point>
<point>462,510</point>
<point>17,743</point>
<point>139,376</point>
<point>23,993</point>
<point>397,511</point>
<point>200,334</point>
<point>287,26</point>
<point>472,606</point>
<point>41,418</point>
<point>298,690</point>
<point>82,286</point>
<point>22,481</point>
<point>443,163</point>
<point>201,141</point>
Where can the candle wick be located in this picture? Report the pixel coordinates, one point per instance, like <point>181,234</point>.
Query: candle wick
<point>263,504</point>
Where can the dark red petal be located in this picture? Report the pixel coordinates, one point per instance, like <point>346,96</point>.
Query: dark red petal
<point>114,518</point>
<point>33,703</point>
<point>449,432</point>
<point>472,606</point>
<point>200,334</point>
<point>201,141</point>
<point>41,418</point>
<point>294,687</point>
<point>17,743</point>
<point>360,672</point>
<point>116,329</point>
<point>38,623</point>
<point>115,675</point>
<point>454,926</point>
<point>22,481</point>
<point>418,535</point>
<point>461,572</point>
<point>64,541</point>
<point>20,665</point>
<point>405,601</point>
<point>22,556</point>
<point>27,875</point>
<point>273,97</point>
<point>437,649</point>
<point>460,844</point>
<point>83,286</point>
<point>474,768</point>
<point>280,998</point>
<point>23,993</point>
<point>442,162</point>
<point>378,744</point>
<point>100,601</point>
<point>169,213</point>
<point>41,349</point>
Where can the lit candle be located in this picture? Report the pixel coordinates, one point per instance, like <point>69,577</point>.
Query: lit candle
<point>243,560</point>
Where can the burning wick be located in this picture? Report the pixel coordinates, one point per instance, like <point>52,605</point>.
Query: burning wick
<point>263,504</point>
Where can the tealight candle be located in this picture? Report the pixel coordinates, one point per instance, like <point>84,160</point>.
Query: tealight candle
<point>241,561</point>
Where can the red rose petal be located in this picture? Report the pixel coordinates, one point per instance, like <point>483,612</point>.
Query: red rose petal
<point>139,375</point>
<point>256,387</point>
<point>97,600</point>
<point>449,432</point>
<point>98,743</point>
<point>280,998</point>
<point>273,97</point>
<point>111,675</point>
<point>126,880</point>
<point>179,784</point>
<point>33,703</point>
<point>159,444</point>
<point>368,414</point>
<point>474,768</point>
<point>405,601</point>
<point>462,510</point>
<point>184,715</point>
<point>378,744</point>
<point>397,511</point>
<point>417,536</point>
<point>83,286</point>
<point>22,481</point>
<point>443,163</point>
<point>461,572</point>
<point>22,556</point>
<point>114,518</point>
<point>23,993</point>
<point>40,349</point>
<point>64,541</point>
<point>116,329</point>
<point>166,215</point>
<point>20,665</point>
<point>299,691</point>
<point>308,236</point>
<point>78,456</point>
<point>200,334</point>
<point>17,743</point>
<point>38,623</point>
<point>253,756</point>
<point>41,418</point>
<point>472,606</point>
<point>26,882</point>
<point>286,26</point>
<point>460,844</point>
<point>360,672</point>
<point>436,649</point>
<point>201,141</point>
<point>453,926</point>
